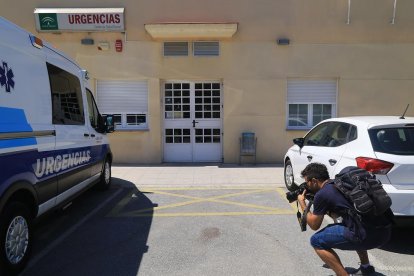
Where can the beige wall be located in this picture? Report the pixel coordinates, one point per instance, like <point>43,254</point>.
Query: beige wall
<point>372,60</point>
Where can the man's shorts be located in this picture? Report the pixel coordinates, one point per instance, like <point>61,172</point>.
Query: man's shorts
<point>332,236</point>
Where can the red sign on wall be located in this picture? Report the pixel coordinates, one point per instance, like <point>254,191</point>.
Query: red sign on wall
<point>118,45</point>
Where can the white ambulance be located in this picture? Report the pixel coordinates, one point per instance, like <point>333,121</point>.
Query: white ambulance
<point>53,142</point>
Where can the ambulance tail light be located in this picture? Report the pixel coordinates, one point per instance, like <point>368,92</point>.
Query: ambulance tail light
<point>36,42</point>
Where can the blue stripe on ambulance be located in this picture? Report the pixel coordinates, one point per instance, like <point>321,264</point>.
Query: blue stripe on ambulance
<point>14,120</point>
<point>42,167</point>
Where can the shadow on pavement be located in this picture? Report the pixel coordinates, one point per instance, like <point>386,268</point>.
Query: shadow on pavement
<point>353,270</point>
<point>112,241</point>
<point>401,240</point>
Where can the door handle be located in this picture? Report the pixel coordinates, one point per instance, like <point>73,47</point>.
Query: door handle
<point>309,157</point>
<point>194,122</point>
<point>92,135</point>
<point>332,162</point>
<point>86,134</point>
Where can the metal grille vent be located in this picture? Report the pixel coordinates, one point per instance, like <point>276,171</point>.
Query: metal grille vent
<point>175,49</point>
<point>206,48</point>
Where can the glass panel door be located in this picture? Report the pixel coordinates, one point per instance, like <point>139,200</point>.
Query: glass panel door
<point>192,122</point>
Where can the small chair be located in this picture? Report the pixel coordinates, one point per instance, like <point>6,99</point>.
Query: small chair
<point>248,143</point>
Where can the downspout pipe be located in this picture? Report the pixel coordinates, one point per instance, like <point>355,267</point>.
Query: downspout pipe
<point>393,13</point>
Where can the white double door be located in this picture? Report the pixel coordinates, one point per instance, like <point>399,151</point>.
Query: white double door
<point>192,121</point>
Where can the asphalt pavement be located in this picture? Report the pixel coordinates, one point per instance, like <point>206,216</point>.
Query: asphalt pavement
<point>202,175</point>
<point>187,219</point>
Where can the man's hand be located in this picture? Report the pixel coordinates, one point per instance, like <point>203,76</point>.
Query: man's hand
<point>314,221</point>
<point>301,200</point>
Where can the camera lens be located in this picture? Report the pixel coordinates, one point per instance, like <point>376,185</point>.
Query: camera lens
<point>292,196</point>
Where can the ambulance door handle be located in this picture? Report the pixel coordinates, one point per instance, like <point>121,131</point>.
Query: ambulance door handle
<point>92,135</point>
<point>86,134</point>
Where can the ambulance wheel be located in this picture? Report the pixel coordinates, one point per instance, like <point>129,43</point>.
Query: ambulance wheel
<point>289,179</point>
<point>16,237</point>
<point>105,181</point>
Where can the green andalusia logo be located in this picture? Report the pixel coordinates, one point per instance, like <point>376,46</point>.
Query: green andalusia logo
<point>48,21</point>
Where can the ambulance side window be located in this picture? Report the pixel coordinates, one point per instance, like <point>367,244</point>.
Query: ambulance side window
<point>67,107</point>
<point>93,110</point>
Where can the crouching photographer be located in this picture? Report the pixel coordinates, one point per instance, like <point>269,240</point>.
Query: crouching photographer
<point>342,234</point>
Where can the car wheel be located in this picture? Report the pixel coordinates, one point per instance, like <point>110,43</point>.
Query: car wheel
<point>289,180</point>
<point>105,181</point>
<point>15,237</point>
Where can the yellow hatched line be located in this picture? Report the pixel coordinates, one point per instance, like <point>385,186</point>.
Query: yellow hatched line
<point>209,199</point>
<point>116,211</point>
<point>118,208</point>
<point>283,195</point>
<point>210,188</point>
<point>209,214</point>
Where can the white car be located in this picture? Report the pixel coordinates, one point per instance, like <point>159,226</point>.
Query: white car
<point>383,145</point>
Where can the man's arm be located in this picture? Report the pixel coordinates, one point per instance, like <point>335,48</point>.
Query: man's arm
<point>314,221</point>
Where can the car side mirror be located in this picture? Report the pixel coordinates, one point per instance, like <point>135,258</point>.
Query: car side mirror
<point>109,123</point>
<point>299,142</point>
<point>106,124</point>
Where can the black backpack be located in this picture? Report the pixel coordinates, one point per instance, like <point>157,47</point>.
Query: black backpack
<point>364,191</point>
<point>371,202</point>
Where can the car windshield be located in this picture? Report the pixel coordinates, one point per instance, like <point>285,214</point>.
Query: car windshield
<point>398,141</point>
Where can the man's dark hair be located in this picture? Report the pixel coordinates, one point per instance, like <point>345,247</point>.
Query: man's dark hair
<point>317,171</point>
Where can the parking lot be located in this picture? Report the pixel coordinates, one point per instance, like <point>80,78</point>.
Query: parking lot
<point>191,220</point>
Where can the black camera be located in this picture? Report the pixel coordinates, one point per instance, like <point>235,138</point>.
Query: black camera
<point>293,196</point>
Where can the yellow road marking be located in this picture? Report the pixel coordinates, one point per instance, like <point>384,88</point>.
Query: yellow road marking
<point>208,199</point>
<point>118,208</point>
<point>190,188</point>
<point>283,194</point>
<point>209,214</point>
<point>116,211</point>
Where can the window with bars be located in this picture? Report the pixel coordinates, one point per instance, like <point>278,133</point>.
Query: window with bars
<point>67,107</point>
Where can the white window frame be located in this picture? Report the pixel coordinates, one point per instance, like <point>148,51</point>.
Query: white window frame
<point>124,112</point>
<point>310,101</point>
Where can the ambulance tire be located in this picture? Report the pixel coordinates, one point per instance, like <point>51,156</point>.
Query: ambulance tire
<point>106,177</point>
<point>15,223</point>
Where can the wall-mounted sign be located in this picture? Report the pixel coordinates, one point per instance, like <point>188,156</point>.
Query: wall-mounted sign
<point>80,20</point>
<point>118,45</point>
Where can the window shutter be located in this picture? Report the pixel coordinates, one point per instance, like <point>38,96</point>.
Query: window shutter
<point>175,48</point>
<point>122,96</point>
<point>206,48</point>
<point>311,91</point>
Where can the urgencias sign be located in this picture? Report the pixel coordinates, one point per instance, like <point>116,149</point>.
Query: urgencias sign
<point>80,20</point>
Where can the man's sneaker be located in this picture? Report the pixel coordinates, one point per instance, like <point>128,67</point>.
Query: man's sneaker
<point>370,270</point>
